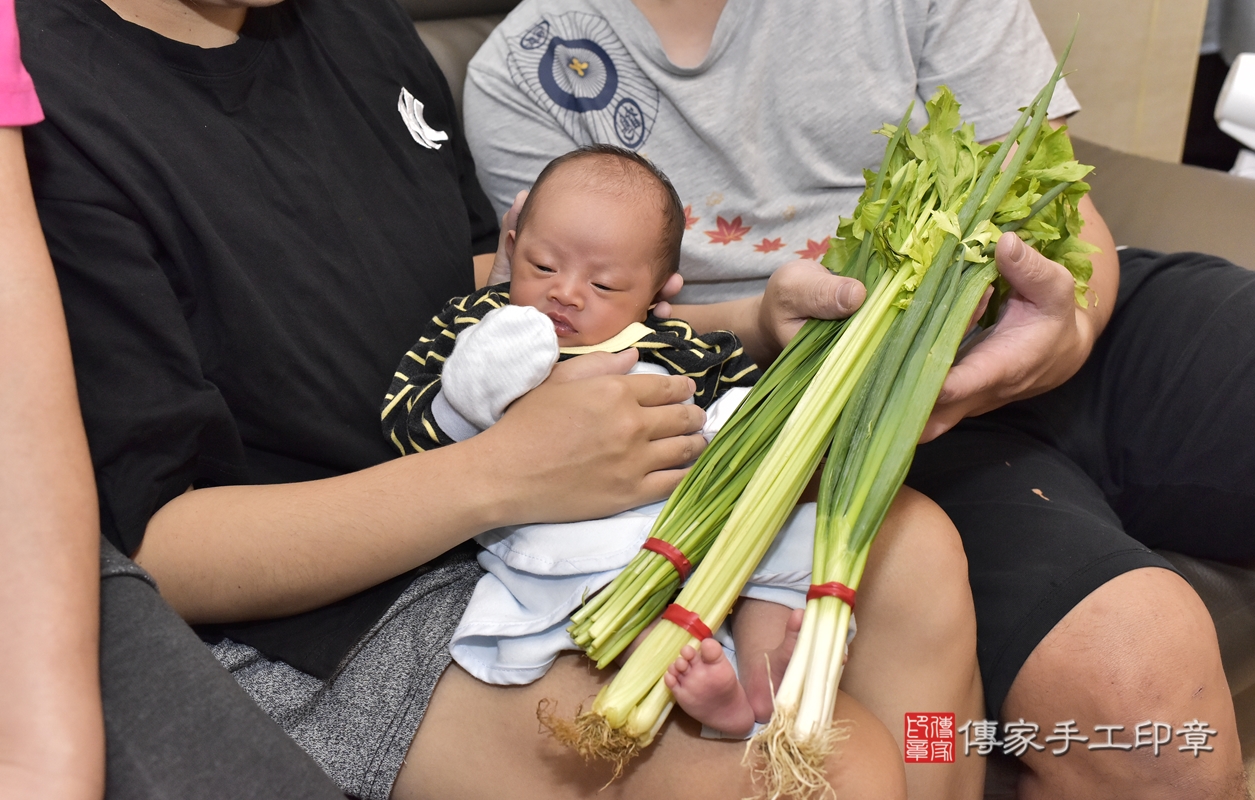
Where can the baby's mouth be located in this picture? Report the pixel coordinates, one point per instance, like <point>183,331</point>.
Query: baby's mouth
<point>561,325</point>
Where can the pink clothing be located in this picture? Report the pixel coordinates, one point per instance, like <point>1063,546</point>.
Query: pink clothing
<point>18,103</point>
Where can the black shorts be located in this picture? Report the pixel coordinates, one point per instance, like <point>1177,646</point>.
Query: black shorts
<point>1150,445</point>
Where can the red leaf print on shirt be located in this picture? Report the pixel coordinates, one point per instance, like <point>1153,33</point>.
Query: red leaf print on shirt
<point>814,250</point>
<point>728,232</point>
<point>769,245</point>
<point>689,219</point>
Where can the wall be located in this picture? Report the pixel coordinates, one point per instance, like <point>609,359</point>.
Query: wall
<point>1132,68</point>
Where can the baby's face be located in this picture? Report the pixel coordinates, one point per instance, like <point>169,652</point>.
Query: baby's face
<point>587,260</point>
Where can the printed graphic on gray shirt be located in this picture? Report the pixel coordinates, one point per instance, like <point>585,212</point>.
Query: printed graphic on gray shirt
<point>575,67</point>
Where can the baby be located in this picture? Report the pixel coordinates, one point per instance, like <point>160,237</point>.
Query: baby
<point>594,242</point>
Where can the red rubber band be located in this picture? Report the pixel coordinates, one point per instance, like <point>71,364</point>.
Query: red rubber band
<point>833,589</point>
<point>672,554</point>
<point>686,620</point>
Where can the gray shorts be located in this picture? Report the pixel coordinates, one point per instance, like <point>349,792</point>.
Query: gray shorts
<point>359,724</point>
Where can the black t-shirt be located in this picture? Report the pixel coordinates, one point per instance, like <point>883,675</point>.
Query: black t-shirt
<point>246,238</point>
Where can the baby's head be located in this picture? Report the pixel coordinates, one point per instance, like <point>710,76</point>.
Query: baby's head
<point>595,241</point>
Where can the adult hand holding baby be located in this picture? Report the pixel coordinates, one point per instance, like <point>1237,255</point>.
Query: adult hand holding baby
<point>494,268</point>
<point>611,440</point>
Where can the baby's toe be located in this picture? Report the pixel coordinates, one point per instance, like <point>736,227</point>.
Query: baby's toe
<point>712,651</point>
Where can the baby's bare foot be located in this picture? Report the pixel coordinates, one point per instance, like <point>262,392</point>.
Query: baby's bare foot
<point>759,688</point>
<point>705,686</point>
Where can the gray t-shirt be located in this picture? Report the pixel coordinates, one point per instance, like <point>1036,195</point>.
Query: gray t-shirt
<point>766,141</point>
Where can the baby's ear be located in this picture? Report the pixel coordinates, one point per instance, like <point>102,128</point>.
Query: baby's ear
<point>509,244</point>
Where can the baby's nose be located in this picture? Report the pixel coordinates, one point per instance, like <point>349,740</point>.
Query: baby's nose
<point>565,293</point>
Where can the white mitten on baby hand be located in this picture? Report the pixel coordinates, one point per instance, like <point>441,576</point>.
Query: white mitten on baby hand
<point>509,353</point>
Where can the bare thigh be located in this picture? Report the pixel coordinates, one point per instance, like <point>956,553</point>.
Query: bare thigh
<point>483,741</point>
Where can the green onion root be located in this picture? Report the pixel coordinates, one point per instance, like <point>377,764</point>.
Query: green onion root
<point>792,766</point>
<point>590,735</point>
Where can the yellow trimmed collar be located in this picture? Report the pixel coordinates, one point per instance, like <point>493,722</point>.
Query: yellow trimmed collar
<point>620,341</point>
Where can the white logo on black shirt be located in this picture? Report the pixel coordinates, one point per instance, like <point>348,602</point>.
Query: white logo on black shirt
<point>412,112</point>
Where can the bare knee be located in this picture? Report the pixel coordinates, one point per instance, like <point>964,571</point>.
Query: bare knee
<point>1143,640</point>
<point>922,537</point>
<point>1140,648</point>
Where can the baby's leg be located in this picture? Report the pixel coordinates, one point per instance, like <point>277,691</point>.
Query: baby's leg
<point>705,686</point>
<point>765,634</point>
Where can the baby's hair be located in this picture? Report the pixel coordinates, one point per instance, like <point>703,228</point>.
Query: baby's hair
<point>631,171</point>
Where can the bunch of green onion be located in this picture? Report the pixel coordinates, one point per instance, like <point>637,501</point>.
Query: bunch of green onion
<point>860,390</point>
<point>964,209</point>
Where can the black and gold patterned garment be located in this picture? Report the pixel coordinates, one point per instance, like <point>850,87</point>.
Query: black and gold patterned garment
<point>715,361</point>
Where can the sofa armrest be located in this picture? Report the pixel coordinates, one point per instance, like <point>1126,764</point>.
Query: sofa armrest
<point>1171,207</point>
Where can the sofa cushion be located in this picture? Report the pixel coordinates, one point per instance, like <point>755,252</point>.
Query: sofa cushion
<point>449,9</point>
<point>452,42</point>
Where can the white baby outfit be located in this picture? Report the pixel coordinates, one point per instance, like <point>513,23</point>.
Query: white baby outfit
<point>515,625</point>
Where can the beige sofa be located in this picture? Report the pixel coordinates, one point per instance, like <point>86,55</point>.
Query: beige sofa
<point>1146,203</point>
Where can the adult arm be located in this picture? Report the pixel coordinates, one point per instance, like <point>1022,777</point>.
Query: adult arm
<point>587,443</point>
<point>51,729</point>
